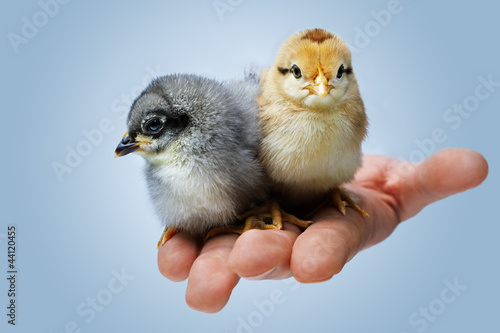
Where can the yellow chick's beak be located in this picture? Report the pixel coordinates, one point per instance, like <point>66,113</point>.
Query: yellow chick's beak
<point>321,86</point>
<point>127,146</point>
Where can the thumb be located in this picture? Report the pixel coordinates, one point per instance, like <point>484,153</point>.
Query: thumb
<point>447,172</point>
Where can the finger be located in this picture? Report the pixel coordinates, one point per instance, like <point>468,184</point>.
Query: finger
<point>447,172</point>
<point>323,249</point>
<point>210,280</point>
<point>263,254</point>
<point>176,256</point>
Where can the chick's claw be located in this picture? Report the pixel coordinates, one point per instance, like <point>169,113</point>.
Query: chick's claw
<point>271,213</point>
<point>232,229</point>
<point>268,216</point>
<point>278,216</point>
<point>166,235</point>
<point>342,199</point>
<point>292,219</point>
<point>259,222</point>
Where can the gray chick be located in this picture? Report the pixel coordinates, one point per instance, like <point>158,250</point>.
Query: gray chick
<point>200,138</point>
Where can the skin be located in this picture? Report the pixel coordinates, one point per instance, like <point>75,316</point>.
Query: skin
<point>390,190</point>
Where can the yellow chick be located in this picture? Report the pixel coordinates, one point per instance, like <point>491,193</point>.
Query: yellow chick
<point>313,120</point>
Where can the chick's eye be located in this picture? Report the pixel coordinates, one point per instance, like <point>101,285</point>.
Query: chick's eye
<point>153,125</point>
<point>340,71</point>
<point>295,70</point>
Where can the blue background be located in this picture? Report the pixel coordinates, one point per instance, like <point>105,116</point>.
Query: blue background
<point>85,64</point>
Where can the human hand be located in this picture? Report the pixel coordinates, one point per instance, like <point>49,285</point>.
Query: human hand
<point>390,190</point>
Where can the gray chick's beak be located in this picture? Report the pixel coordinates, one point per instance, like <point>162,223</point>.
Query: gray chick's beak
<point>126,146</point>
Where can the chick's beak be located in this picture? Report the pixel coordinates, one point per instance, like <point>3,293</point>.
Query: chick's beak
<point>127,146</point>
<point>321,86</point>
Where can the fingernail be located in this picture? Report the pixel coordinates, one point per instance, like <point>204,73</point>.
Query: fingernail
<point>262,276</point>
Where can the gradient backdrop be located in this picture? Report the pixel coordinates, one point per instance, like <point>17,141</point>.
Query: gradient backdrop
<point>86,233</point>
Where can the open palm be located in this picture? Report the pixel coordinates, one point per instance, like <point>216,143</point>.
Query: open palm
<point>390,190</point>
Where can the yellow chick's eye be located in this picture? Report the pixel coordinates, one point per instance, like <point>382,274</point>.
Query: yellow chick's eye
<point>340,72</point>
<point>295,70</point>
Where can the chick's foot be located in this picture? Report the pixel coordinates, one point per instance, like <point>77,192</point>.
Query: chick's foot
<point>268,216</point>
<point>342,199</point>
<point>166,235</point>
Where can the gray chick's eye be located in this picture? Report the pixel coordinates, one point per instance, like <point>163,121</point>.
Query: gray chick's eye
<point>340,72</point>
<point>153,125</point>
<point>295,70</point>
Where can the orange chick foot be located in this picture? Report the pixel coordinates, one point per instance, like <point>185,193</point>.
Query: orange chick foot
<point>268,216</point>
<point>342,199</point>
<point>166,235</point>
